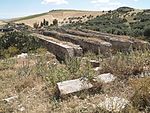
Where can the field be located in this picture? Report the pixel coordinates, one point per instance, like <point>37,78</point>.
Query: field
<point>60,15</point>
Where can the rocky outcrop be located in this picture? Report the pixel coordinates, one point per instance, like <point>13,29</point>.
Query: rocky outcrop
<point>61,49</point>
<point>87,44</point>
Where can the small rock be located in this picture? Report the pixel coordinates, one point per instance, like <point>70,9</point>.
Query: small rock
<point>10,98</point>
<point>114,104</point>
<point>97,69</point>
<point>21,108</point>
<point>23,55</point>
<point>105,78</point>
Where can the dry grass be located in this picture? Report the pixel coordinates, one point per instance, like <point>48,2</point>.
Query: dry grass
<point>125,65</point>
<point>34,83</point>
<point>59,15</point>
<point>141,97</point>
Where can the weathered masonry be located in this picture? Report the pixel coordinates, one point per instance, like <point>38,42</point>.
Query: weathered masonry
<point>61,49</point>
<point>88,44</point>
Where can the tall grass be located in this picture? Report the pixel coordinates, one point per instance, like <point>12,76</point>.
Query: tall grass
<point>125,65</point>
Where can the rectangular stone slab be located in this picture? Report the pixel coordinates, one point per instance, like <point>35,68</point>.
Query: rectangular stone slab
<point>118,41</point>
<point>72,86</point>
<point>59,48</point>
<point>88,44</point>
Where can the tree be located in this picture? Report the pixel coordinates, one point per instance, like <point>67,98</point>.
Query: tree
<point>36,25</point>
<point>147,32</point>
<point>109,11</point>
<point>41,24</point>
<point>55,22</point>
<point>44,22</point>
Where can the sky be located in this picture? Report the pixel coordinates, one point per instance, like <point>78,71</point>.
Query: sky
<point>19,8</point>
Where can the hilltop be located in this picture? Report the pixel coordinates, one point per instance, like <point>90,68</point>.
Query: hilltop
<point>2,22</point>
<point>60,15</point>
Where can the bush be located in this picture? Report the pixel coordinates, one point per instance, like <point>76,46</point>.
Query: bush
<point>147,32</point>
<point>141,97</point>
<point>55,22</point>
<point>125,65</point>
<point>17,42</point>
<point>13,51</point>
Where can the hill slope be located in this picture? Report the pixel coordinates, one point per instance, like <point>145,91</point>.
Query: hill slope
<point>2,22</point>
<point>61,15</point>
<point>122,21</point>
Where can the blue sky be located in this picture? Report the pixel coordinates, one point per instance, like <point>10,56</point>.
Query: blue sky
<point>18,8</point>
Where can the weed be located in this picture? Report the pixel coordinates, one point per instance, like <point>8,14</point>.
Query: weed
<point>125,65</point>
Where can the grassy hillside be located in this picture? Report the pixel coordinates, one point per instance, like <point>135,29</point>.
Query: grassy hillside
<point>61,15</point>
<point>2,22</point>
<point>29,17</point>
<point>123,21</point>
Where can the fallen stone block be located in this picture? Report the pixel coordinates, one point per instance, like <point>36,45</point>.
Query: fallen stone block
<point>72,86</point>
<point>113,104</point>
<point>140,44</point>
<point>119,43</point>
<point>88,44</point>
<point>105,78</point>
<point>59,48</point>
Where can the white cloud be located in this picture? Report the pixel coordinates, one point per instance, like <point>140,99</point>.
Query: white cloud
<point>106,1</point>
<point>58,2</point>
<point>109,4</point>
<point>100,1</point>
<point>106,4</point>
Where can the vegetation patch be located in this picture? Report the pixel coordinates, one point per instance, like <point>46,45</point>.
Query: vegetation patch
<point>119,22</point>
<point>13,43</point>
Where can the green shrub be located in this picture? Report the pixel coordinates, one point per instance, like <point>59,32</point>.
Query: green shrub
<point>73,64</point>
<point>17,42</point>
<point>13,51</point>
<point>7,64</point>
<point>147,33</point>
<point>41,51</point>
